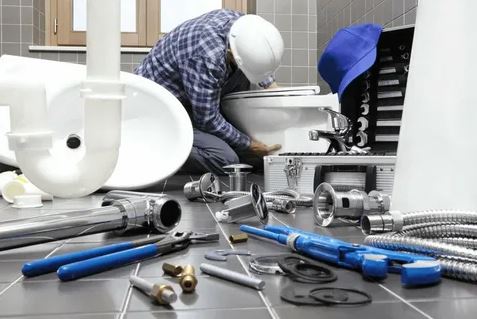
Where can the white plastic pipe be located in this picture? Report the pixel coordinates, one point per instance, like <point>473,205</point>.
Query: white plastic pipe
<point>437,152</point>
<point>30,138</point>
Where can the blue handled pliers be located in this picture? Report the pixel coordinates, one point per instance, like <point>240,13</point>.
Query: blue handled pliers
<point>91,261</point>
<point>375,263</point>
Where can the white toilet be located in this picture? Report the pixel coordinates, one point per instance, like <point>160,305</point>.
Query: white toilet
<point>282,116</point>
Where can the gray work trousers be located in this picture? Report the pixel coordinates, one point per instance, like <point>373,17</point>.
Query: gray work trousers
<point>209,154</point>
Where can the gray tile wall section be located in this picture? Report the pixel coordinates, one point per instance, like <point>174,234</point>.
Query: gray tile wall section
<point>22,23</point>
<point>335,14</point>
<point>297,22</point>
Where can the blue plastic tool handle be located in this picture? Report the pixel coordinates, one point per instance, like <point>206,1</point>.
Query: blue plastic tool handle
<point>102,263</point>
<point>51,264</point>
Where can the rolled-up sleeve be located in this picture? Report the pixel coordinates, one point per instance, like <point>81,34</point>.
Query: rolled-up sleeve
<point>202,80</point>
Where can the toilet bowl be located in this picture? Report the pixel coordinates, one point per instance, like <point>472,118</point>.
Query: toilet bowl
<point>282,116</point>
<point>151,115</point>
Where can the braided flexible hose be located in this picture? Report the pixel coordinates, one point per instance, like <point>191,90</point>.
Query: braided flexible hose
<point>441,231</point>
<point>419,245</point>
<point>436,216</point>
<point>458,269</point>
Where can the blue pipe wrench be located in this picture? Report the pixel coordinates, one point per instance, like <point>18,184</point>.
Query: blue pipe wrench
<point>374,263</point>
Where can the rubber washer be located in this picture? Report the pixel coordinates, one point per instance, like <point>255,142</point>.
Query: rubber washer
<point>295,266</point>
<point>313,272</point>
<point>335,296</point>
<point>290,294</point>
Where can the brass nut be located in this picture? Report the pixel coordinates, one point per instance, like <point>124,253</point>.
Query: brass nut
<point>172,270</point>
<point>163,294</point>
<point>188,279</point>
<point>238,238</point>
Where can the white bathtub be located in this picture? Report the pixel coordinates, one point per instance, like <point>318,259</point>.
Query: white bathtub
<point>282,116</point>
<point>148,153</point>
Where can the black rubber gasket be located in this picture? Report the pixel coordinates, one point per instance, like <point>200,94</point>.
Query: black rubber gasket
<point>290,294</point>
<point>298,269</point>
<point>315,294</point>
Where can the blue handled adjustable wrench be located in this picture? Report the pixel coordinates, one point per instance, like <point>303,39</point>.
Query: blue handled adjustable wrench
<point>374,263</point>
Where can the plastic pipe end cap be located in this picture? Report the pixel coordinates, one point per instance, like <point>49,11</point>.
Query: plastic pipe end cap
<point>27,201</point>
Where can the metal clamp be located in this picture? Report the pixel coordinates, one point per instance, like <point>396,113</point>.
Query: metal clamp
<point>328,204</point>
<point>245,207</point>
<point>292,171</point>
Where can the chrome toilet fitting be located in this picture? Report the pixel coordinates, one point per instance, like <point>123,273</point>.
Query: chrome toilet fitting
<point>205,188</point>
<point>328,204</point>
<point>238,176</point>
<point>245,207</point>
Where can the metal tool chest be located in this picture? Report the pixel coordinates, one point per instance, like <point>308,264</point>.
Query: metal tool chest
<point>374,104</point>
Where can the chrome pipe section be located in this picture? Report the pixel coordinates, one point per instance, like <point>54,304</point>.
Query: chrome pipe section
<point>395,221</point>
<point>238,176</point>
<point>328,204</point>
<point>162,213</point>
<point>206,188</point>
<point>121,215</point>
<point>251,205</point>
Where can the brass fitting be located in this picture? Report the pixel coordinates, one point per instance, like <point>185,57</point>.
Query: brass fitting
<point>163,294</point>
<point>172,270</point>
<point>238,238</point>
<point>188,280</point>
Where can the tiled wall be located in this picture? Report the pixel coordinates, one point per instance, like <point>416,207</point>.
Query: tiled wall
<point>22,23</point>
<point>335,14</point>
<point>297,22</point>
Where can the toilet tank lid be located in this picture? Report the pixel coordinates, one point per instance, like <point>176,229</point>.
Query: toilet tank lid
<point>277,92</point>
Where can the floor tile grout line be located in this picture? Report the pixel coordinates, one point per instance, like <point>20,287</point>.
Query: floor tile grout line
<point>270,309</point>
<point>405,301</point>
<point>380,285</point>
<point>21,276</point>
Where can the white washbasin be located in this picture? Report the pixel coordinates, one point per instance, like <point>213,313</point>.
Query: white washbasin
<point>156,135</point>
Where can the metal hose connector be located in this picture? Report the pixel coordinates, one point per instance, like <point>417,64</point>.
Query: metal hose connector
<point>441,231</point>
<point>396,221</point>
<point>286,194</point>
<point>419,245</point>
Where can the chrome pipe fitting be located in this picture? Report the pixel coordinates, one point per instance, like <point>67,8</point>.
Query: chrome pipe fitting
<point>282,206</point>
<point>205,188</point>
<point>161,212</point>
<point>328,204</point>
<point>238,176</point>
<point>251,205</point>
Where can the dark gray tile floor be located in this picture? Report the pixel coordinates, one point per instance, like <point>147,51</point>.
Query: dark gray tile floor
<point>109,295</point>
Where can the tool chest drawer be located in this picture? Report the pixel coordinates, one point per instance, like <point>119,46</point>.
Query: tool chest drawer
<point>304,172</point>
<point>374,101</point>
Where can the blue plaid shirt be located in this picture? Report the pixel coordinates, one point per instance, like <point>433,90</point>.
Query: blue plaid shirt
<point>190,61</point>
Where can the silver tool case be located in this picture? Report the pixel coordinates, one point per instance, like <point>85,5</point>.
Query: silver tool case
<point>373,102</point>
<point>303,172</point>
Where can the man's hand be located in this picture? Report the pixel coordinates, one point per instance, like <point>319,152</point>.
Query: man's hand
<point>260,149</point>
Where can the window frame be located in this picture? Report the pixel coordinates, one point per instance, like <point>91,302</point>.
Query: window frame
<point>59,22</point>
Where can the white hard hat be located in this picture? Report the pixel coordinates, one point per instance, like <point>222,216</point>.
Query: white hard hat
<point>257,47</point>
